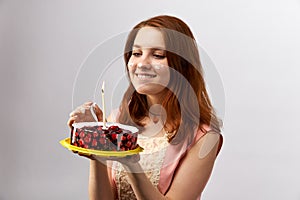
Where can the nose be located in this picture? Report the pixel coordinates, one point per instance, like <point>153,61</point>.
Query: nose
<point>143,65</point>
<point>143,62</point>
<point>138,65</point>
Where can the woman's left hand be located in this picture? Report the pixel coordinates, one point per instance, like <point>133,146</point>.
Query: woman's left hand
<point>129,161</point>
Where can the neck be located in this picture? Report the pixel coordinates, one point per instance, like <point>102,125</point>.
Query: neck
<point>157,112</point>
<point>155,98</point>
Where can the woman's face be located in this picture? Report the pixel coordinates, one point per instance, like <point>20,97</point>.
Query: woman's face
<point>148,64</point>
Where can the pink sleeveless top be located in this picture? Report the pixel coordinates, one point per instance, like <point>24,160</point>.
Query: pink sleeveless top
<point>173,156</point>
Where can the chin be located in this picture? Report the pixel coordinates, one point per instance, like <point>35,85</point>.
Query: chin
<point>149,89</point>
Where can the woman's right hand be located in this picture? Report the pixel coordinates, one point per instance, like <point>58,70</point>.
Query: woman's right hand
<point>83,114</point>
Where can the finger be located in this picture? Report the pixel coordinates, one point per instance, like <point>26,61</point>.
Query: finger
<point>98,112</point>
<point>89,112</point>
<point>80,109</point>
<point>133,158</point>
<point>77,111</point>
<point>87,117</point>
<point>93,113</point>
<point>71,121</point>
<point>87,108</point>
<point>88,103</point>
<point>84,154</point>
<point>102,159</point>
<point>74,113</point>
<point>89,156</point>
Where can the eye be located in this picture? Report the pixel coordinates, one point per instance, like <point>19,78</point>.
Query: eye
<point>136,53</point>
<point>159,56</point>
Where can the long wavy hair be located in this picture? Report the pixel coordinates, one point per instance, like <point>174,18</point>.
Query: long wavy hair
<point>186,101</point>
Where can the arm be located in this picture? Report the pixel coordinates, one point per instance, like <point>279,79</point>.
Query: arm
<point>100,184</point>
<point>191,176</point>
<point>100,181</point>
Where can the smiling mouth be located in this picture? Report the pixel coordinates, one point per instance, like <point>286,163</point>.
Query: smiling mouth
<point>145,76</point>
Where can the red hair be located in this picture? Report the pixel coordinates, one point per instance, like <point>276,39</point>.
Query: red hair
<point>186,101</point>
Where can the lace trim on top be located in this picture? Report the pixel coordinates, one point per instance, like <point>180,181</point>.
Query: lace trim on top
<point>151,160</point>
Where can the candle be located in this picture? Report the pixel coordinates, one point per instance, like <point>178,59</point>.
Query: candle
<point>103,106</point>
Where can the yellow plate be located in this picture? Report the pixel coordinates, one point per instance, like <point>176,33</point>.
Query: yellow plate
<point>66,143</point>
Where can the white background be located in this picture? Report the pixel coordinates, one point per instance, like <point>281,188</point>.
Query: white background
<point>254,44</point>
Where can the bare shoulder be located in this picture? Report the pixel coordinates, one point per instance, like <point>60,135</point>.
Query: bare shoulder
<point>196,167</point>
<point>208,145</point>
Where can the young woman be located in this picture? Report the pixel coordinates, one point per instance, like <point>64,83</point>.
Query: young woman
<point>167,100</point>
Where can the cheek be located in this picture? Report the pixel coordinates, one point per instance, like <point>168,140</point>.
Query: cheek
<point>131,65</point>
<point>167,76</point>
<point>131,74</point>
<point>164,73</point>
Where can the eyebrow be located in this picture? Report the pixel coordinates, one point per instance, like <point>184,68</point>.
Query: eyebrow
<point>153,48</point>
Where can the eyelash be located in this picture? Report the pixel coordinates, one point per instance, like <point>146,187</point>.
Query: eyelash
<point>159,56</point>
<point>136,54</point>
<point>155,55</point>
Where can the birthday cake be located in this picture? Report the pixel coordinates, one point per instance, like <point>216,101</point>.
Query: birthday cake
<point>112,137</point>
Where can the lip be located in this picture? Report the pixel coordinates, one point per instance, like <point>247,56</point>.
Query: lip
<point>144,76</point>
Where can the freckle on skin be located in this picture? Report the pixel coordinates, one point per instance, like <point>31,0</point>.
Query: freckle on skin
<point>157,67</point>
<point>130,64</point>
<point>208,144</point>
